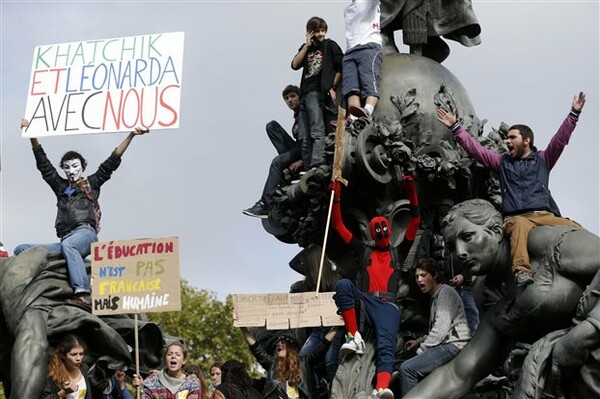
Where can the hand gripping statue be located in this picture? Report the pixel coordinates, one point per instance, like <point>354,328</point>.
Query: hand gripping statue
<point>376,285</point>
<point>565,259</point>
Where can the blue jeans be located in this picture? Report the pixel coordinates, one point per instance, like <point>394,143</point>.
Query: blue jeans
<point>470,308</point>
<point>312,129</point>
<point>74,247</point>
<point>332,356</point>
<point>415,369</point>
<point>383,316</point>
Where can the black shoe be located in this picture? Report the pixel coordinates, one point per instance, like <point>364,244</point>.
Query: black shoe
<point>82,301</point>
<point>523,278</point>
<point>258,210</point>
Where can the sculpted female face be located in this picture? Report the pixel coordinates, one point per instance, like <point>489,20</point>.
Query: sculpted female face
<point>474,245</point>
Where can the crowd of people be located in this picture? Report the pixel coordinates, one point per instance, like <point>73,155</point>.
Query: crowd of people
<point>302,364</point>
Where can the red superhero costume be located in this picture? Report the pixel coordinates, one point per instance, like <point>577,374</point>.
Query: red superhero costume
<point>377,281</point>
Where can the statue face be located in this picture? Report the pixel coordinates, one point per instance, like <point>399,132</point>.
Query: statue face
<point>475,246</point>
<point>73,169</point>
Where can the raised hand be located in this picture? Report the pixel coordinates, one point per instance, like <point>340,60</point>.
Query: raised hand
<point>447,118</point>
<point>578,101</point>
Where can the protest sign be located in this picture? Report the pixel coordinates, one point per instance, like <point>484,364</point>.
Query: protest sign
<point>135,276</point>
<point>281,311</point>
<point>105,85</point>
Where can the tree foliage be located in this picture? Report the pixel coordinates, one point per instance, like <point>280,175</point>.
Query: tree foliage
<point>206,325</point>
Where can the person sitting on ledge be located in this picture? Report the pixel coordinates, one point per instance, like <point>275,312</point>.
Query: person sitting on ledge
<point>289,154</point>
<point>524,176</point>
<point>376,285</point>
<point>78,214</point>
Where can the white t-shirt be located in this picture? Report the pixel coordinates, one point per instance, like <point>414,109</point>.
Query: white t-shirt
<point>81,390</point>
<point>363,19</point>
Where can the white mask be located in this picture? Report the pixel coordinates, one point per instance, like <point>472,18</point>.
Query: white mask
<point>73,169</point>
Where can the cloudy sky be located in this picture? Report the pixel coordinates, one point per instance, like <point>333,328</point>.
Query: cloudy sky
<point>194,181</point>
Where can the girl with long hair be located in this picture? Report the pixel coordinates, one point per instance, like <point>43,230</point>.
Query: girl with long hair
<point>236,383</point>
<point>67,374</point>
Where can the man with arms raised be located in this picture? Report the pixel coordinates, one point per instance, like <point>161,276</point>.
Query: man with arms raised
<point>524,176</point>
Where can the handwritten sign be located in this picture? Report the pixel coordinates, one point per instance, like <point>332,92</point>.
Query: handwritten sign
<point>135,276</point>
<point>106,85</point>
<point>283,311</point>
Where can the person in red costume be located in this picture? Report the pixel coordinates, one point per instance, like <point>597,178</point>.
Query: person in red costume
<point>376,284</point>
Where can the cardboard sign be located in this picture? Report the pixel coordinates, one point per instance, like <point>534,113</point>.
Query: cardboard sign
<point>105,85</point>
<point>135,276</point>
<point>283,311</point>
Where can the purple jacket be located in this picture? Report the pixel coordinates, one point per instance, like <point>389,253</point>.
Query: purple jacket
<point>524,182</point>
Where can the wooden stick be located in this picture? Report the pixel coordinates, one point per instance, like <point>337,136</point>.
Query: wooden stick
<point>336,174</point>
<point>138,389</point>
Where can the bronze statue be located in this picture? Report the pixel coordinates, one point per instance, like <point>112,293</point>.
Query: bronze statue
<point>34,315</point>
<point>424,23</point>
<point>565,260</point>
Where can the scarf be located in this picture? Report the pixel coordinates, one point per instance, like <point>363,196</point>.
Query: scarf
<point>171,383</point>
<point>84,184</point>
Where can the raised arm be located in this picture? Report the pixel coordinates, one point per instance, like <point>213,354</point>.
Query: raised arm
<point>562,136</point>
<point>484,156</point>
<point>299,57</point>
<point>120,150</point>
<point>336,213</point>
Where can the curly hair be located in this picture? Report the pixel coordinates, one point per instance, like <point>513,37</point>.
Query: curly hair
<point>476,211</point>
<point>57,370</point>
<point>70,155</point>
<point>288,368</point>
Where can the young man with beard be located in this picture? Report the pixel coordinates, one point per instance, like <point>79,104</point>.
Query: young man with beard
<point>78,214</point>
<point>448,328</point>
<point>524,176</point>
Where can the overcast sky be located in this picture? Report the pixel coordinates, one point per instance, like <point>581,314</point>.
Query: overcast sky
<point>194,181</point>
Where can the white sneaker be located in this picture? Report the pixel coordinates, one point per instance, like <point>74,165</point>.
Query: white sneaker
<point>383,393</point>
<point>353,344</point>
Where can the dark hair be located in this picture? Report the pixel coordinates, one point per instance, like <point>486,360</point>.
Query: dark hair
<point>316,23</point>
<point>309,260</point>
<point>429,265</point>
<point>69,155</point>
<point>289,340</point>
<point>217,365</point>
<point>234,373</point>
<point>525,131</point>
<point>290,89</point>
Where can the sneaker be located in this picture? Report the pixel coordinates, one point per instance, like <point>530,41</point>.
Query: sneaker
<point>353,344</point>
<point>359,112</point>
<point>523,278</point>
<point>383,393</point>
<point>258,210</point>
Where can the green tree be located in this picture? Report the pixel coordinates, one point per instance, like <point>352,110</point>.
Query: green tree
<point>206,325</point>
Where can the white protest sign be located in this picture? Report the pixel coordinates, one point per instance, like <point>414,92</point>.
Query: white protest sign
<point>105,85</point>
<point>281,311</point>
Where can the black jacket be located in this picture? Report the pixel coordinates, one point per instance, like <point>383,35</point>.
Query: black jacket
<point>76,209</point>
<point>51,390</point>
